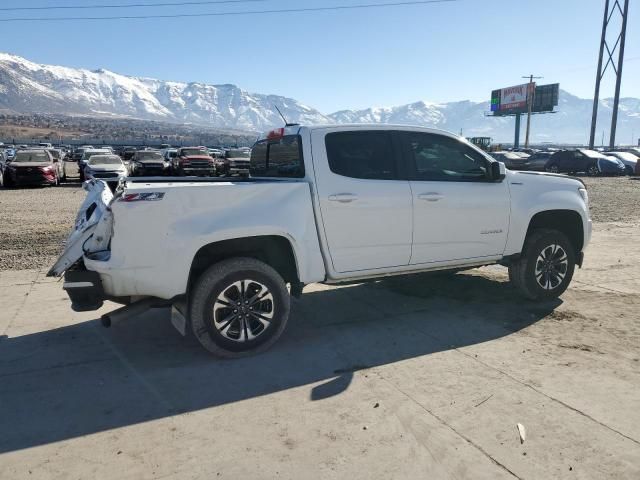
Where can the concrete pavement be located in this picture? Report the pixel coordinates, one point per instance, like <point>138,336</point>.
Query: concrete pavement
<point>404,378</point>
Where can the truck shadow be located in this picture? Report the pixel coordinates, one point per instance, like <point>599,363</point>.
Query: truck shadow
<point>83,379</point>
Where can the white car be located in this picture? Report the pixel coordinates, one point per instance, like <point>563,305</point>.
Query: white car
<point>109,168</point>
<point>86,155</point>
<point>628,159</point>
<point>325,204</point>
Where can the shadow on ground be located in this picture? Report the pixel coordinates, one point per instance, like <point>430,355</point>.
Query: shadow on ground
<point>82,379</point>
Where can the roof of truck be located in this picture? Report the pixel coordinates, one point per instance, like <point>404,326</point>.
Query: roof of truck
<point>294,129</point>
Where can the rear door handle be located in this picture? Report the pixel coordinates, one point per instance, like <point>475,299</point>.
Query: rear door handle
<point>431,196</point>
<point>343,197</point>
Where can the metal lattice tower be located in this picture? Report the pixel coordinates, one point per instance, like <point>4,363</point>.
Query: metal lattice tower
<point>610,11</point>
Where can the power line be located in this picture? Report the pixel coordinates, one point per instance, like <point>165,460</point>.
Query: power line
<point>129,5</point>
<point>224,14</point>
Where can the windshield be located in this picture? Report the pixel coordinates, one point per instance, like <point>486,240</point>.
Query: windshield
<point>192,152</point>
<point>90,153</point>
<point>148,156</point>
<point>238,154</point>
<point>26,156</point>
<point>630,157</point>
<point>105,160</point>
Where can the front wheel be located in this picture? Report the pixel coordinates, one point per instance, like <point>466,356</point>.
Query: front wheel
<point>593,170</point>
<point>546,266</point>
<point>239,307</point>
<point>552,169</point>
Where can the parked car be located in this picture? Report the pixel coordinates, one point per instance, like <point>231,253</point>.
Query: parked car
<point>235,162</point>
<point>109,168</point>
<point>149,163</point>
<point>3,163</point>
<point>628,159</point>
<point>538,161</point>
<point>586,161</point>
<point>58,158</point>
<point>45,145</point>
<point>364,203</point>
<point>512,160</point>
<point>170,155</point>
<point>193,161</point>
<point>87,153</point>
<point>33,167</point>
<point>10,153</point>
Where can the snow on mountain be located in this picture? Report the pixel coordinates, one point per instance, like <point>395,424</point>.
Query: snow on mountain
<point>27,87</point>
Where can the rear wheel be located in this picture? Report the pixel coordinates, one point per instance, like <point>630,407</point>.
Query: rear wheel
<point>546,266</point>
<point>239,307</point>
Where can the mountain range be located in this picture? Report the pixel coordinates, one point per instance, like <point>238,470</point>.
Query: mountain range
<point>28,87</point>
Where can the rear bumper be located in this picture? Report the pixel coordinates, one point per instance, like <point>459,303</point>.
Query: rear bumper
<point>84,289</point>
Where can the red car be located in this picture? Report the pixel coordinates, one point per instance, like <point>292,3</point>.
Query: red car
<point>33,167</point>
<point>193,161</point>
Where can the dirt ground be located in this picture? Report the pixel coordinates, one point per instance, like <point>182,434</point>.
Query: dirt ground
<point>414,377</point>
<point>35,221</point>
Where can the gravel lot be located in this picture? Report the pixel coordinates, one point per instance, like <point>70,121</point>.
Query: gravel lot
<point>35,221</point>
<point>408,377</point>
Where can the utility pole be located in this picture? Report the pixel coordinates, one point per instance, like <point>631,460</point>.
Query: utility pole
<point>531,93</point>
<point>609,12</point>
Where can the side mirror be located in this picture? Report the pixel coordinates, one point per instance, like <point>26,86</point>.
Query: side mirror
<point>498,171</point>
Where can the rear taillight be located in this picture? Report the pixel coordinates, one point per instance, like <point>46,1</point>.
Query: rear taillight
<point>142,197</point>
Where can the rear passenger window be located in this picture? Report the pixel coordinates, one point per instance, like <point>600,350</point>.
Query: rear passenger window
<point>361,154</point>
<point>277,158</point>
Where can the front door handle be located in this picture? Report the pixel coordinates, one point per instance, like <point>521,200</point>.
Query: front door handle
<point>343,197</point>
<point>431,196</point>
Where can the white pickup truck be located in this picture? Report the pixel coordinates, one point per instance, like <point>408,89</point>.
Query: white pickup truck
<point>323,204</point>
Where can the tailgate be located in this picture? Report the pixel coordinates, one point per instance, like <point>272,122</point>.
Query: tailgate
<point>92,230</point>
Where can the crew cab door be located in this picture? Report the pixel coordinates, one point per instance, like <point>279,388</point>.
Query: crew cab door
<point>365,210</point>
<point>458,213</point>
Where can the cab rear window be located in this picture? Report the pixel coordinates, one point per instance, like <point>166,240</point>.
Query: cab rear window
<point>280,157</point>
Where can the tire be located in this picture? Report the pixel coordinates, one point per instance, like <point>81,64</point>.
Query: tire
<point>219,327</point>
<point>528,273</point>
<point>552,169</point>
<point>1,179</point>
<point>593,170</point>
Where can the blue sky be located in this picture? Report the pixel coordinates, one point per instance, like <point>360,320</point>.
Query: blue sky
<point>338,60</point>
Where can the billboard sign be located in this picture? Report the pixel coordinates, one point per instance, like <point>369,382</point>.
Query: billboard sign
<point>512,100</point>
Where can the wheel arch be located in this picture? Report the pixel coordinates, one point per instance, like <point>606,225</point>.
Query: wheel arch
<point>568,222</point>
<point>274,250</point>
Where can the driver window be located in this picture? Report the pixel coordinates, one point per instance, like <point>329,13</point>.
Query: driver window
<point>440,158</point>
